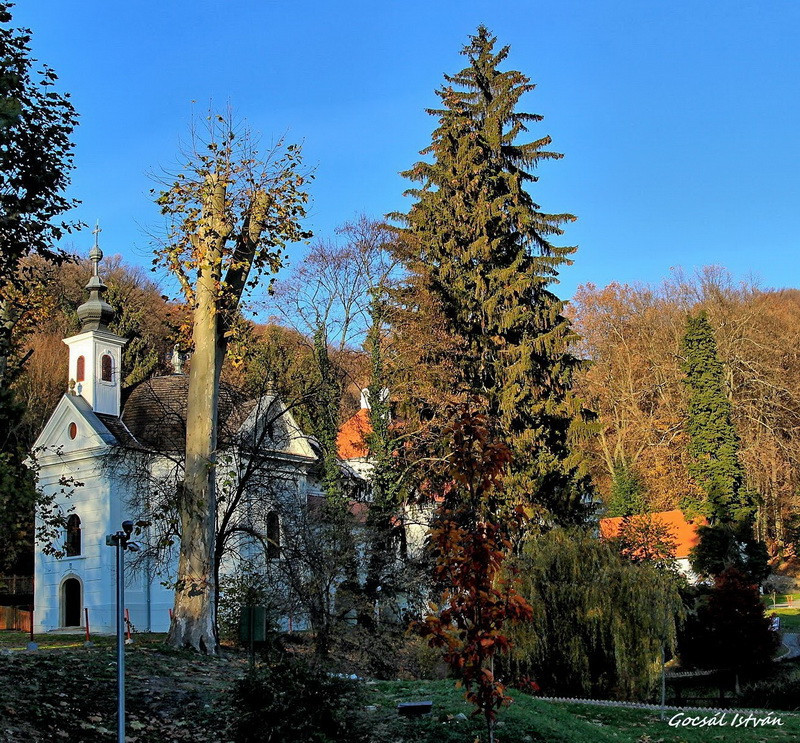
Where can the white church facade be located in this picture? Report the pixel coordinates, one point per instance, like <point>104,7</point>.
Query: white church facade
<point>99,459</point>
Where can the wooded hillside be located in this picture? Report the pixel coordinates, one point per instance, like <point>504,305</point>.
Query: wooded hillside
<point>632,336</point>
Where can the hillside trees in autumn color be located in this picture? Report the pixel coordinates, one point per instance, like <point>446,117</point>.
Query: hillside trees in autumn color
<point>53,293</point>
<point>141,314</point>
<point>633,338</point>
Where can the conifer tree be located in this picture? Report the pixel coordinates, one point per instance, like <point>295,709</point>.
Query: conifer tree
<point>386,540</point>
<point>326,414</point>
<point>713,444</point>
<point>627,491</point>
<point>477,251</point>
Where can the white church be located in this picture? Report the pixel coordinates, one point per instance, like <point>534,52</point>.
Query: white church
<point>96,457</point>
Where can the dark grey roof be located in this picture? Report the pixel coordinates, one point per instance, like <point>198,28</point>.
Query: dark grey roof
<point>155,413</point>
<point>119,430</point>
<point>95,313</point>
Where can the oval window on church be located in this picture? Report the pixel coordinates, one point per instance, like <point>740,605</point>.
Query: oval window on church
<point>105,368</point>
<point>80,371</point>
<point>73,430</point>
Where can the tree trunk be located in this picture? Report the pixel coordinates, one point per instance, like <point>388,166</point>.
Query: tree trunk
<point>193,623</point>
<point>6,326</point>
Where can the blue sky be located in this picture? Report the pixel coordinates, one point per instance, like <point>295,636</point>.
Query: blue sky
<point>678,120</point>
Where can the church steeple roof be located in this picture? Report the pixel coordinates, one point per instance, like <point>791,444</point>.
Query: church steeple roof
<point>95,313</point>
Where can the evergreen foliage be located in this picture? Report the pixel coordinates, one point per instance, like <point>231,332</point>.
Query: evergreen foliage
<point>381,583</point>
<point>724,546</point>
<point>36,125</point>
<point>326,415</point>
<point>627,491</point>
<point>729,628</point>
<point>479,247</point>
<point>713,444</point>
<point>18,495</point>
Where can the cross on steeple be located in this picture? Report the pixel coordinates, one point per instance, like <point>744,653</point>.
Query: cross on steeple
<point>95,254</point>
<point>95,313</point>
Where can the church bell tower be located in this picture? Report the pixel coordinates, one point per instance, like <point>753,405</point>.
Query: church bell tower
<point>95,354</point>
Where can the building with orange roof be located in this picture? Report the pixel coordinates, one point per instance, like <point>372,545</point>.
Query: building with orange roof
<point>682,530</point>
<point>351,440</point>
<point>353,451</point>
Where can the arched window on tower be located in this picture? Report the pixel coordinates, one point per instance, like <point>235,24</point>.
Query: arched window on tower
<point>72,547</point>
<point>105,368</point>
<point>273,536</point>
<point>80,370</point>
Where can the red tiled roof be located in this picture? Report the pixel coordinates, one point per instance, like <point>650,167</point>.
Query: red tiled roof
<point>683,532</point>
<point>351,440</point>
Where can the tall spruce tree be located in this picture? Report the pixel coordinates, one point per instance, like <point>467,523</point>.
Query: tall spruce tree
<point>479,247</point>
<point>713,444</point>
<point>627,491</point>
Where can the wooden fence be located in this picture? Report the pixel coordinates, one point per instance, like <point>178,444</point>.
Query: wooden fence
<point>12,617</point>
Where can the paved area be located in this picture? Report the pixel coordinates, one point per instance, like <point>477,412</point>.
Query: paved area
<point>791,641</point>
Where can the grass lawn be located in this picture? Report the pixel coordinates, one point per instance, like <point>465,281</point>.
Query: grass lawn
<point>65,691</point>
<point>790,619</point>
<point>10,640</point>
<point>531,719</point>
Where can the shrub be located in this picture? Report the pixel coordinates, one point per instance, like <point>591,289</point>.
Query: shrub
<point>729,628</point>
<point>780,692</point>
<point>244,588</point>
<point>293,701</point>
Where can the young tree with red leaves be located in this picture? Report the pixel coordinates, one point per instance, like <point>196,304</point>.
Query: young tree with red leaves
<point>470,541</point>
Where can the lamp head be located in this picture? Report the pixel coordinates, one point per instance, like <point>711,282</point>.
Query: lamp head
<point>127,527</point>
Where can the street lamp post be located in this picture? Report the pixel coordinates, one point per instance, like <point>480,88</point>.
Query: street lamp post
<point>122,541</point>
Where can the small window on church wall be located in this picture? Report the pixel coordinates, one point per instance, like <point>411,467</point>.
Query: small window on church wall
<point>105,368</point>
<point>273,536</point>
<point>80,371</point>
<point>72,548</point>
<point>73,430</point>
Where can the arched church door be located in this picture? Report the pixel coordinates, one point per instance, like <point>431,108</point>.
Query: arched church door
<point>71,597</point>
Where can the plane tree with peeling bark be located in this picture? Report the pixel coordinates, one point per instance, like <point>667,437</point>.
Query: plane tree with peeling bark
<point>230,214</point>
